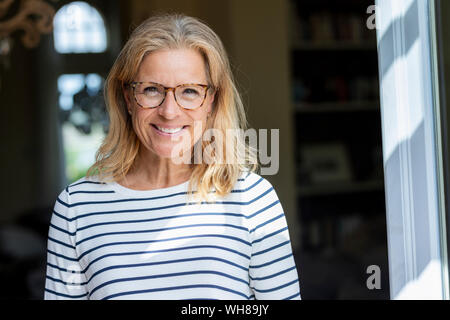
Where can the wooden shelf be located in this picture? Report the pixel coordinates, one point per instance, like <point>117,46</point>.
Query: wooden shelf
<point>333,106</point>
<point>335,46</point>
<point>341,188</point>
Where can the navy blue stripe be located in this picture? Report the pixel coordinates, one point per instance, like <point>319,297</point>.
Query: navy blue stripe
<point>293,296</point>
<point>270,235</point>
<point>273,275</point>
<point>66,295</point>
<point>118,254</point>
<point>161,197</point>
<point>90,192</point>
<point>249,188</point>
<point>125,211</point>
<point>62,202</point>
<point>61,243</point>
<point>161,240</point>
<point>165,207</point>
<point>62,230</point>
<point>85,182</point>
<point>123,200</point>
<point>63,269</point>
<point>168,275</point>
<point>247,175</point>
<point>271,262</point>
<point>174,288</point>
<point>252,297</point>
<point>61,216</point>
<point>268,221</point>
<point>272,248</point>
<point>112,191</point>
<point>276,288</point>
<point>264,209</point>
<point>199,299</point>
<point>62,256</point>
<point>161,229</point>
<point>125,266</point>
<point>262,195</point>
<point>161,218</point>
<point>65,283</point>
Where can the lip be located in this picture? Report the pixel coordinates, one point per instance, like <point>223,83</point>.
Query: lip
<point>169,127</point>
<point>165,134</point>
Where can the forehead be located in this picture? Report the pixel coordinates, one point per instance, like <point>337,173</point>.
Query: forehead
<point>172,67</point>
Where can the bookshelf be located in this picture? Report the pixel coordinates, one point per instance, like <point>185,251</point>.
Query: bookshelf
<point>338,143</point>
<point>334,46</point>
<point>333,106</point>
<point>341,188</point>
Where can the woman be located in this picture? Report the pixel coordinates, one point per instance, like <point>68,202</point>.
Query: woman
<point>131,228</point>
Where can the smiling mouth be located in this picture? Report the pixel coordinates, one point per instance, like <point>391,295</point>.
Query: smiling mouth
<point>169,130</point>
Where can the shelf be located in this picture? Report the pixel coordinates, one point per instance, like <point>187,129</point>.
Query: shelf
<point>336,46</point>
<point>341,188</point>
<point>337,106</point>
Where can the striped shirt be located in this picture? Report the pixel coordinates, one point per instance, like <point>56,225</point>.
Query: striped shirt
<point>110,242</point>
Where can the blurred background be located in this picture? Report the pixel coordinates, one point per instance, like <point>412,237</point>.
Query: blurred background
<point>318,56</point>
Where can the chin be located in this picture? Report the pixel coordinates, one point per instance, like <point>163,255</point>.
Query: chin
<point>167,153</point>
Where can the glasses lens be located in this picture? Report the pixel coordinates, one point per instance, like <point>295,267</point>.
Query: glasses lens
<point>149,95</point>
<point>190,96</point>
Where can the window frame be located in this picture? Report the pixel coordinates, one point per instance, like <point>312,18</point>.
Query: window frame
<point>412,147</point>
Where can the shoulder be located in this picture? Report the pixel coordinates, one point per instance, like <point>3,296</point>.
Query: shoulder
<point>82,185</point>
<point>91,183</point>
<point>261,201</point>
<point>255,186</point>
<point>78,191</point>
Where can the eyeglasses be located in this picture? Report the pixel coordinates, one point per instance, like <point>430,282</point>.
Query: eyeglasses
<point>152,95</point>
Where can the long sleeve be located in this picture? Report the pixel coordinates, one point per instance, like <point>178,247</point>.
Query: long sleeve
<point>65,278</point>
<point>273,273</point>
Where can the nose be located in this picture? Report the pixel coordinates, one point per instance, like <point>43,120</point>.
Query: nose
<point>169,109</point>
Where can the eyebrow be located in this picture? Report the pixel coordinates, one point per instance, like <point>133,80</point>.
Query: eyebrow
<point>192,82</point>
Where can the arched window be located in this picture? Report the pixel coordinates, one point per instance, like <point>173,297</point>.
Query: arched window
<point>79,28</point>
<point>80,31</point>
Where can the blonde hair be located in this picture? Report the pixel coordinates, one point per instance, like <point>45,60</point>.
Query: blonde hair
<point>116,155</point>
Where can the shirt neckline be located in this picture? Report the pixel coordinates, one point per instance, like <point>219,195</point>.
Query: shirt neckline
<point>152,192</point>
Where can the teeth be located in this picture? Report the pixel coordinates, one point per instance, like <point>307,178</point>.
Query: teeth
<point>175,130</point>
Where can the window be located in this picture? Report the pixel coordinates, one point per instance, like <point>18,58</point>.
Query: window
<point>79,28</point>
<point>84,120</point>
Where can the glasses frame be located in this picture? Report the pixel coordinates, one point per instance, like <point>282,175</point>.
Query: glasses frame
<point>166,89</point>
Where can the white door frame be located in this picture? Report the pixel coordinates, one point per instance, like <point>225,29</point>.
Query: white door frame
<point>412,149</point>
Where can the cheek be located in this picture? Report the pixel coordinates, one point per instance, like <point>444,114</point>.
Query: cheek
<point>140,122</point>
<point>198,128</point>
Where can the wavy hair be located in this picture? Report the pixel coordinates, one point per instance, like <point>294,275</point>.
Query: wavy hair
<point>116,155</point>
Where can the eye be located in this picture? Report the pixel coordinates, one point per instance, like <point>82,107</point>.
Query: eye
<point>151,91</point>
<point>190,91</point>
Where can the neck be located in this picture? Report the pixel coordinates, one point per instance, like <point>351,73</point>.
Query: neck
<point>151,171</point>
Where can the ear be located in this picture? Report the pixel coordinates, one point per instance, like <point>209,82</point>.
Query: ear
<point>126,95</point>
<point>212,100</point>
